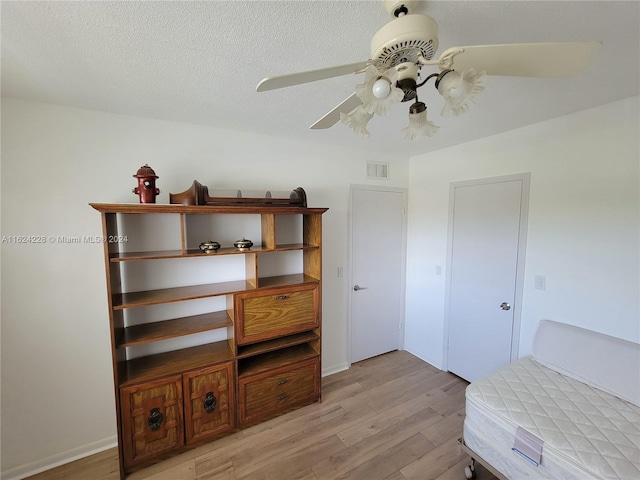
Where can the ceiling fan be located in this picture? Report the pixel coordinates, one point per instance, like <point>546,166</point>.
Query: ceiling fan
<point>407,44</point>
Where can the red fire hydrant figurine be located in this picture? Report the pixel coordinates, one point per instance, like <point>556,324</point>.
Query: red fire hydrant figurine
<point>146,188</point>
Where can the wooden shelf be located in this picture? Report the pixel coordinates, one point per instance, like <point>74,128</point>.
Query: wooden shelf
<point>286,280</point>
<point>177,294</point>
<point>245,351</point>
<point>203,209</point>
<point>175,362</point>
<point>195,252</point>
<point>288,247</point>
<point>191,253</point>
<point>275,359</point>
<point>153,332</point>
<point>152,255</point>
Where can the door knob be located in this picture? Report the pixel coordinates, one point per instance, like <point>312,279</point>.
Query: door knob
<point>505,306</point>
<point>358,287</point>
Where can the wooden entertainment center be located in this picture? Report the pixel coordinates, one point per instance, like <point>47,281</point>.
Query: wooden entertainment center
<point>264,359</point>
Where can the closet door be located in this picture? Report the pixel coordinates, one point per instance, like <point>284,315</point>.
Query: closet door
<point>378,256</point>
<point>486,249</point>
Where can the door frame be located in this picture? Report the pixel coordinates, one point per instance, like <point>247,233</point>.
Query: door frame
<point>403,266</point>
<point>525,178</point>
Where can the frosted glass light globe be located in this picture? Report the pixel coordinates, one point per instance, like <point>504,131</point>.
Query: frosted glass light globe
<point>419,125</point>
<point>381,88</point>
<point>379,91</point>
<point>459,90</point>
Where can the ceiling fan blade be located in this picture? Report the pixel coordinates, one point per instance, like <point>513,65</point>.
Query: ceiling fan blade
<point>523,59</point>
<point>291,79</point>
<point>333,117</point>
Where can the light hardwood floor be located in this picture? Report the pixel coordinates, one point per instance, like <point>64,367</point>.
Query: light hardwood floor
<point>390,417</point>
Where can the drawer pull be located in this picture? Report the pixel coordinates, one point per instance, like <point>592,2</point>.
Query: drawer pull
<point>282,382</point>
<point>155,419</point>
<point>282,397</point>
<point>282,297</point>
<point>210,402</point>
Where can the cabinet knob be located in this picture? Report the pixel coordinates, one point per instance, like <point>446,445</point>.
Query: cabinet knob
<point>282,397</point>
<point>155,419</point>
<point>282,382</point>
<point>210,402</point>
<point>282,297</point>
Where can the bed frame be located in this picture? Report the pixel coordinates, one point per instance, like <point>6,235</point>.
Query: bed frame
<point>470,470</point>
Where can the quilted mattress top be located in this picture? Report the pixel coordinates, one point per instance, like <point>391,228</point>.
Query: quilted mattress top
<point>586,426</point>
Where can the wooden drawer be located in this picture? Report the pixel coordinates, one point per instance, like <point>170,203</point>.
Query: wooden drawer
<point>275,391</point>
<point>261,316</point>
<point>151,418</point>
<point>209,402</point>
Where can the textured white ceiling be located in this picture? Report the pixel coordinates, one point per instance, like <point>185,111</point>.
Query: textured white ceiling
<point>199,62</point>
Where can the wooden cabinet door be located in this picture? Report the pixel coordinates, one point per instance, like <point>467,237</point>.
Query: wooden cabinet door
<point>281,312</point>
<point>152,418</point>
<point>209,402</point>
<point>276,391</point>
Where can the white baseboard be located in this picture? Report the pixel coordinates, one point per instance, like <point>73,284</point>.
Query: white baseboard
<point>423,356</point>
<point>53,461</point>
<point>335,369</point>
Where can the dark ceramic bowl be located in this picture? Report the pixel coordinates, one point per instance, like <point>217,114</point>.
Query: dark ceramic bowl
<point>209,246</point>
<point>243,244</point>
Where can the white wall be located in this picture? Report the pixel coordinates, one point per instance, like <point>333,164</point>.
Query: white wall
<point>57,391</point>
<point>583,233</point>
<point>57,394</point>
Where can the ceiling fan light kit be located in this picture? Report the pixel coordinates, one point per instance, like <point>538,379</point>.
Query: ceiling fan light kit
<point>379,92</point>
<point>357,120</point>
<point>459,90</point>
<point>419,125</point>
<point>407,44</point>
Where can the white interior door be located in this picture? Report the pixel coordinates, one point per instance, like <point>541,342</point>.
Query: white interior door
<point>377,271</point>
<point>486,249</point>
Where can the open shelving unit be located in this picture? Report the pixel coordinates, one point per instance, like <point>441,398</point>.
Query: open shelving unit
<point>246,343</point>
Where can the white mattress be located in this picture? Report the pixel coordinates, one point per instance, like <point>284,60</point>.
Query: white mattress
<point>587,433</point>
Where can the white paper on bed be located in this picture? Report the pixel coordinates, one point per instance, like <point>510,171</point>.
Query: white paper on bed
<point>529,446</point>
<point>608,363</point>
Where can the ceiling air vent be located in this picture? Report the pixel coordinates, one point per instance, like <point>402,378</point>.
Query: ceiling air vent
<point>378,170</point>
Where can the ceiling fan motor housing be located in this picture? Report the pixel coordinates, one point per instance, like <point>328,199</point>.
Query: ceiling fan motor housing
<point>396,8</point>
<point>405,39</point>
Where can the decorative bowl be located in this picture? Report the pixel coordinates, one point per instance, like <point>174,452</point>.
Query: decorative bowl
<point>243,244</point>
<point>209,246</point>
